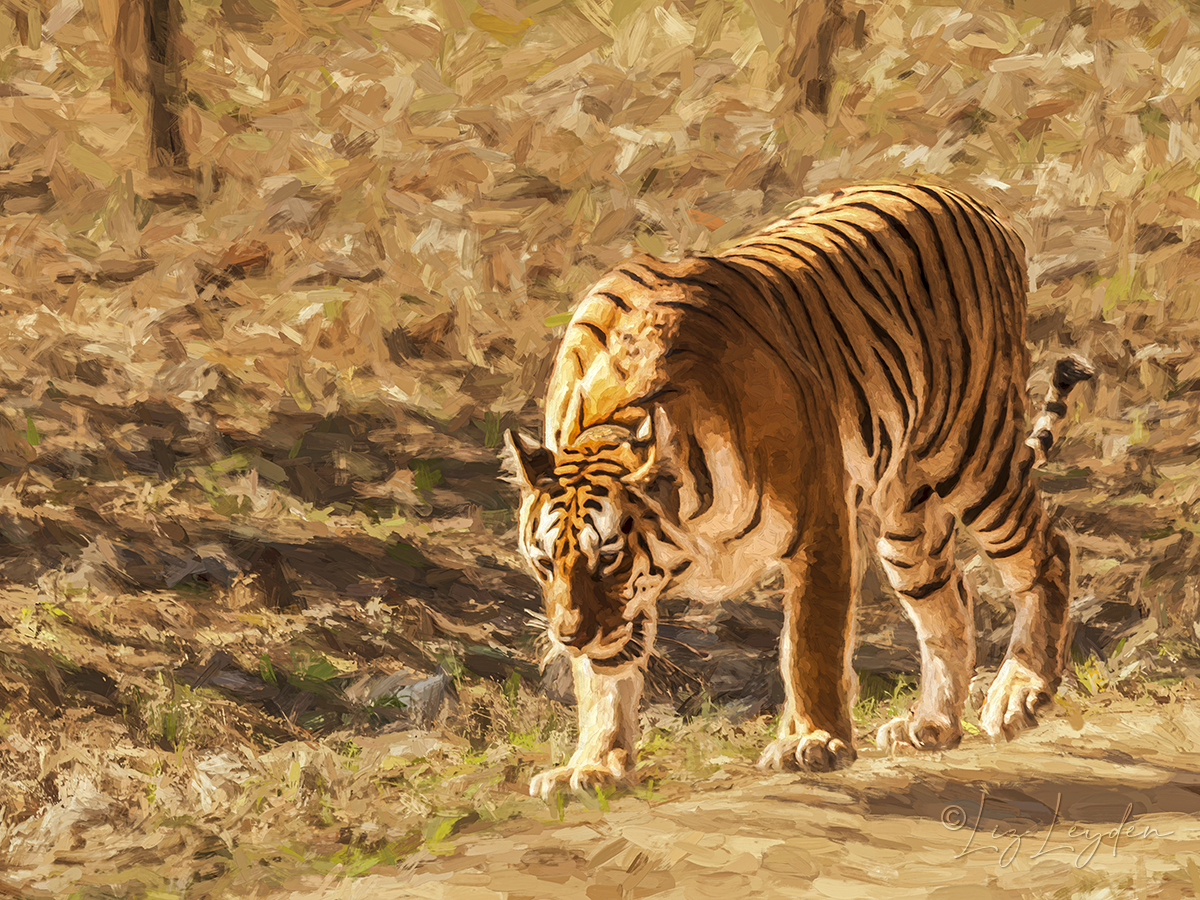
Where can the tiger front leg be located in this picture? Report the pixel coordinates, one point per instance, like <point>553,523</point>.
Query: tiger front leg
<point>608,731</point>
<point>816,732</point>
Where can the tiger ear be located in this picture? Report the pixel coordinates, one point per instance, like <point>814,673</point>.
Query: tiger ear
<point>533,463</point>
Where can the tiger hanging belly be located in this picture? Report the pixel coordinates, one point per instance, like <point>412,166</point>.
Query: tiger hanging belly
<point>711,419</point>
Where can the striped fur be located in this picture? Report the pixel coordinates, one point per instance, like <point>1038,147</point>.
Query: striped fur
<point>712,419</point>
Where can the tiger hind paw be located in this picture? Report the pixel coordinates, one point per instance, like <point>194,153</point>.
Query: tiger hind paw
<point>1014,700</point>
<point>920,733</point>
<point>817,751</point>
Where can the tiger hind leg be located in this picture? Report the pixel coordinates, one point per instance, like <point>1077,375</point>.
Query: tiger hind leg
<point>1034,562</point>
<point>916,548</point>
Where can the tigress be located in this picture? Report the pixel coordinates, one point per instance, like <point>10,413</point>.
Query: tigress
<point>711,419</point>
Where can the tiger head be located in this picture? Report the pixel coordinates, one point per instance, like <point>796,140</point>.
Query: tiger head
<point>587,532</point>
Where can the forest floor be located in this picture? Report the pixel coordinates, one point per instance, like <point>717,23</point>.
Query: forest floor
<point>1090,809</point>
<point>1101,801</point>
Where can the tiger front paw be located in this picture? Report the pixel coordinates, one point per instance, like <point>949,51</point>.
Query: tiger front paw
<point>582,775</point>
<point>920,732</point>
<point>817,751</point>
<point>1014,700</point>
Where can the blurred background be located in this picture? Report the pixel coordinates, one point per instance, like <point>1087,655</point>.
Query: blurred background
<point>277,275</point>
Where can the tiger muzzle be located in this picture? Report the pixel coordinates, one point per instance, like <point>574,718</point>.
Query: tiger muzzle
<point>626,643</point>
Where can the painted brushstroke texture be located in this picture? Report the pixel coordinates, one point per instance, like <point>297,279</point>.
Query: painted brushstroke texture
<point>264,630</point>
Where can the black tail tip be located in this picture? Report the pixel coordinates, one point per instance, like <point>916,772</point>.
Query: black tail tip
<point>1070,370</point>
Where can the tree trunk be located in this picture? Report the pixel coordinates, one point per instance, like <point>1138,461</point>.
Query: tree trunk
<point>148,43</point>
<point>163,40</point>
<point>805,59</point>
<point>27,20</point>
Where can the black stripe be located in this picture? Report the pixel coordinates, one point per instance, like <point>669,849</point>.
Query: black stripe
<point>655,395</point>
<point>942,412</point>
<point>877,329</point>
<point>681,568</point>
<point>898,563</point>
<point>850,243</point>
<point>1055,407</point>
<point>973,220</point>
<point>775,299</point>
<point>866,422</point>
<point>1017,547</point>
<point>591,452</point>
<point>960,214</point>
<point>919,496</point>
<point>793,544</point>
<point>940,200</point>
<point>904,311</point>
<point>800,306</point>
<point>885,452</point>
<point>901,231</point>
<point>616,299</point>
<point>661,276</point>
<point>999,482</point>
<point>946,485</point>
<point>960,587</point>
<point>597,332</point>
<point>732,310</point>
<point>997,261</point>
<point>873,239</point>
<point>773,296</point>
<point>1016,519</point>
<point>937,549</point>
<point>931,587</point>
<point>633,276</point>
<point>850,251</point>
<point>590,469</point>
<point>905,235</point>
<point>905,538</point>
<point>1022,494</point>
<point>754,519</point>
<point>701,474</point>
<point>843,344</point>
<point>904,404</point>
<point>965,329</point>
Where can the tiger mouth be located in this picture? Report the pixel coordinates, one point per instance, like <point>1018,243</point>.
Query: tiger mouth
<point>635,648</point>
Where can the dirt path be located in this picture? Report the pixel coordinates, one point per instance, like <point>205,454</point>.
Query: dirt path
<point>980,821</point>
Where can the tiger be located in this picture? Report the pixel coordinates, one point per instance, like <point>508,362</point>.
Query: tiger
<point>713,420</point>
